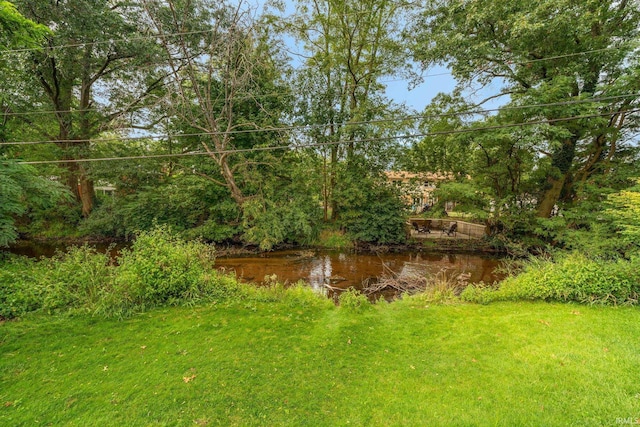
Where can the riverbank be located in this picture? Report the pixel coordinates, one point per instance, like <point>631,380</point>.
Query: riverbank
<point>290,359</point>
<point>39,247</point>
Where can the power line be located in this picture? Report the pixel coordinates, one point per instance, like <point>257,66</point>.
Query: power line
<point>326,125</point>
<point>240,98</point>
<point>109,41</point>
<point>321,144</point>
<point>168,35</point>
<point>129,39</point>
<point>568,55</point>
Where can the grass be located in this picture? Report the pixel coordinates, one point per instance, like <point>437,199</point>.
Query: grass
<point>288,361</point>
<point>334,239</point>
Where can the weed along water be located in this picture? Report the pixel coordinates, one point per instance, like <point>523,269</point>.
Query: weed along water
<point>333,271</point>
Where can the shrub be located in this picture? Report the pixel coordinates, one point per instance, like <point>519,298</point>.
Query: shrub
<point>353,300</point>
<point>75,279</point>
<point>368,208</point>
<point>268,223</point>
<point>574,277</point>
<point>19,290</point>
<point>159,269</point>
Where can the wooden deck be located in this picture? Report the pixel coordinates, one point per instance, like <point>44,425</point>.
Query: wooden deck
<point>465,230</point>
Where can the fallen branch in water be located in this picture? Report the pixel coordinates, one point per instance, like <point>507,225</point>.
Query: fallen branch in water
<point>414,283</point>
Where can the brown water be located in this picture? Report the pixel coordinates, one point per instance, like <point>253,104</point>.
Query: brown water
<point>47,250</point>
<point>325,271</point>
<point>343,270</point>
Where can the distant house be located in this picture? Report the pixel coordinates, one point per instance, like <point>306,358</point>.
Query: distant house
<point>417,188</point>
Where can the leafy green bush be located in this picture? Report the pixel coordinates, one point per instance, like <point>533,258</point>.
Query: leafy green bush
<point>75,279</point>
<point>22,190</point>
<point>160,268</point>
<point>268,223</point>
<point>353,300</point>
<point>189,204</point>
<point>369,209</point>
<point>573,277</point>
<point>19,292</point>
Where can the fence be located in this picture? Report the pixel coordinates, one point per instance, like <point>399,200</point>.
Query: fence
<point>464,229</point>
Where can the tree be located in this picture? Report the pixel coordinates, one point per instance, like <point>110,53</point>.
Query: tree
<point>348,47</point>
<point>20,187</point>
<point>223,83</point>
<point>94,49</point>
<point>581,54</point>
<point>17,31</point>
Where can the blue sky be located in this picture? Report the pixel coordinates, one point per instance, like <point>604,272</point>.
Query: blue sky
<point>437,79</point>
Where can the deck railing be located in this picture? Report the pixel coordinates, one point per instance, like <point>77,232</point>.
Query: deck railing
<point>468,229</point>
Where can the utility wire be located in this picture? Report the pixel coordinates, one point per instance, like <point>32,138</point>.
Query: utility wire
<point>100,42</point>
<point>326,125</point>
<point>550,104</point>
<point>240,98</point>
<point>135,38</point>
<point>320,144</point>
<point>177,34</point>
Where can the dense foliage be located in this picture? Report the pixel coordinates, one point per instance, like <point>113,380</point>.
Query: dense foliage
<point>562,135</point>
<point>212,126</point>
<point>159,269</point>
<point>573,277</point>
<point>22,189</point>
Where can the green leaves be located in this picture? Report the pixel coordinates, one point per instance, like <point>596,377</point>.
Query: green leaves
<point>20,188</point>
<point>567,117</point>
<point>16,31</point>
<point>570,277</point>
<point>370,209</point>
<point>626,213</point>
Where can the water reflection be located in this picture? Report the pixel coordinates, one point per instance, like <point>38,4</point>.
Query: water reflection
<point>343,270</point>
<point>320,273</point>
<point>328,269</point>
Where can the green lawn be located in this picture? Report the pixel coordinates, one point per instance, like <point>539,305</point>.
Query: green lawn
<point>281,363</point>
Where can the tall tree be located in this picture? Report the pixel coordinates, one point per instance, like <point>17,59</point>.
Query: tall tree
<point>348,47</point>
<point>547,52</point>
<point>95,48</point>
<point>224,83</point>
<point>20,187</point>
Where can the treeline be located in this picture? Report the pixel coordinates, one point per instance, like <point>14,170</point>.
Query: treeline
<point>199,115</point>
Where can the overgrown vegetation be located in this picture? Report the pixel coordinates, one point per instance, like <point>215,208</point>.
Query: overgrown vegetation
<point>21,190</point>
<point>570,277</point>
<point>160,269</point>
<point>250,148</point>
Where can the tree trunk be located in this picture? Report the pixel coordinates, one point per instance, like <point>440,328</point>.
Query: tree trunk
<point>86,192</point>
<point>86,195</point>
<point>561,168</point>
<point>230,180</point>
<point>551,196</point>
<point>333,182</point>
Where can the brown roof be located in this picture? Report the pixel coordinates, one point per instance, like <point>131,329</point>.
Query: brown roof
<point>422,176</point>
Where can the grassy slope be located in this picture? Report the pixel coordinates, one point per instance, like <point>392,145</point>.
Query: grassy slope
<point>276,364</point>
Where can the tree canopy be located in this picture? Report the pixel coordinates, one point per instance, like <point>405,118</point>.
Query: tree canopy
<point>228,122</point>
